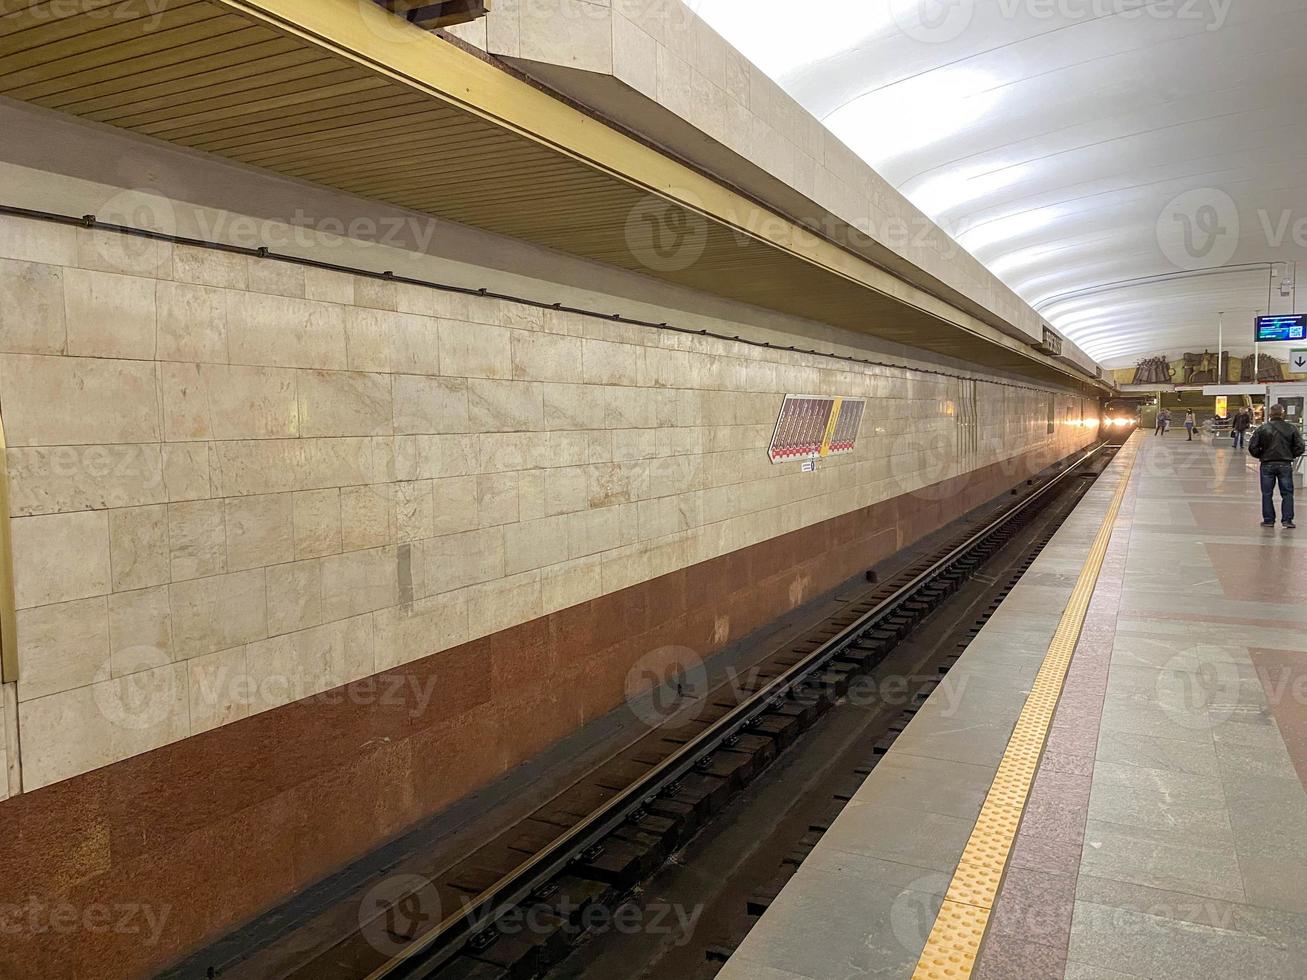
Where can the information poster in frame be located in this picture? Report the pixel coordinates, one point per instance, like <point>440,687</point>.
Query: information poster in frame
<point>813,427</point>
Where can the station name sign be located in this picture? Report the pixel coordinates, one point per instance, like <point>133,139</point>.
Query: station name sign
<point>1282,326</point>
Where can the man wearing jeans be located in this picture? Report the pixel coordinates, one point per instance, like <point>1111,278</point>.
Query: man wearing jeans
<point>1277,444</point>
<point>1243,420</point>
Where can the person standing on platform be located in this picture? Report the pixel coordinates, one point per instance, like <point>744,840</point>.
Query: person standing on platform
<point>1189,424</point>
<point>1163,419</point>
<point>1278,444</point>
<point>1243,421</point>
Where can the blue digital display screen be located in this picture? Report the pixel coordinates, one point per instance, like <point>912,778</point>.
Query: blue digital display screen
<point>1285,326</point>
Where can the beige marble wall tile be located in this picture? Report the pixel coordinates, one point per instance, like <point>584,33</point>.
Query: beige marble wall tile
<point>207,267</point>
<point>344,403</point>
<point>186,471</point>
<point>503,602</point>
<point>279,331</point>
<point>58,557</point>
<point>505,406</point>
<point>109,315</point>
<point>277,675</point>
<point>414,510</point>
<point>192,322</point>
<point>31,308</point>
<point>455,504</point>
<point>414,345</point>
<point>68,401</point>
<point>278,465</point>
<point>218,689</point>
<point>273,276</point>
<point>139,554</point>
<point>611,364</point>
<point>62,646</point>
<point>216,613</point>
<point>107,251</point>
<point>425,405</point>
<point>570,583</point>
<point>37,241</point>
<point>420,629</point>
<point>61,736</point>
<point>367,517</point>
<point>455,561</point>
<point>475,350</point>
<point>197,539</point>
<point>502,451</point>
<point>221,401</point>
<point>571,406</point>
<point>64,478</point>
<point>140,629</point>
<point>379,294</point>
<point>497,499</point>
<point>360,581</point>
<point>540,356</point>
<point>326,286</point>
<point>432,457</point>
<point>294,596</point>
<point>534,544</point>
<point>317,523</point>
<point>260,530</point>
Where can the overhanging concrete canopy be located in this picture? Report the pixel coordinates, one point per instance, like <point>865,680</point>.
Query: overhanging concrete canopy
<point>347,95</point>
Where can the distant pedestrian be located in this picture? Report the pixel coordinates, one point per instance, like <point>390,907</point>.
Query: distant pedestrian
<point>1189,424</point>
<point>1278,444</point>
<point>1243,421</point>
<point>1163,421</point>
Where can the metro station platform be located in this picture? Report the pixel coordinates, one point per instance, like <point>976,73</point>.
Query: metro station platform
<point>1110,783</point>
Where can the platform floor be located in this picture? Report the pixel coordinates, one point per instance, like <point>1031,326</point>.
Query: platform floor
<point>1164,833</point>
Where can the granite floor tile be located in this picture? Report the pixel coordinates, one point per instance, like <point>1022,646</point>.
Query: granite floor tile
<point>1284,928</point>
<point>827,924</point>
<point>1035,906</point>
<point>1148,752</point>
<point>1013,958</point>
<point>1161,948</point>
<point>1044,854</point>
<point>935,785</point>
<point>903,835</point>
<point>1161,859</point>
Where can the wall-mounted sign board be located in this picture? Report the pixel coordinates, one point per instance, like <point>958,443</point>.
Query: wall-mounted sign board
<point>815,426</point>
<point>1282,326</point>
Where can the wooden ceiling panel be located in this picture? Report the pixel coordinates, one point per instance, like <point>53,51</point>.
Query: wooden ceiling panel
<point>214,76</point>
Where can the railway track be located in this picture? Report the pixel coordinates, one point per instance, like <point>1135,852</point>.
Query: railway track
<point>520,901</point>
<point>523,899</point>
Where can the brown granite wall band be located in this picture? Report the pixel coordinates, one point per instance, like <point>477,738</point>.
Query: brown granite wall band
<point>124,869</point>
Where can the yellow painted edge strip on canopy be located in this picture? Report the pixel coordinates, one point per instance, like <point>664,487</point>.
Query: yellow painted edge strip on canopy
<point>954,941</point>
<point>367,34</point>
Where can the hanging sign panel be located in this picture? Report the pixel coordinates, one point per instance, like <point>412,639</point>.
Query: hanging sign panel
<point>815,426</point>
<point>1283,326</point>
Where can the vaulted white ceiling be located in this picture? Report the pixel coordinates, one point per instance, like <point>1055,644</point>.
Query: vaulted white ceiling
<point>1132,168</point>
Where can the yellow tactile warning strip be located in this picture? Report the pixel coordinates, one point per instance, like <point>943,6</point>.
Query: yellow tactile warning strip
<point>954,940</point>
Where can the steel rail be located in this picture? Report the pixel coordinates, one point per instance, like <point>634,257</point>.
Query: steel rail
<point>445,940</point>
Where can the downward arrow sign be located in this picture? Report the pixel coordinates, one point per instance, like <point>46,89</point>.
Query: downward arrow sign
<point>1300,361</point>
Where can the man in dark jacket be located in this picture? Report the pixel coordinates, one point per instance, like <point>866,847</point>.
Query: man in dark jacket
<point>1243,421</point>
<point>1277,444</point>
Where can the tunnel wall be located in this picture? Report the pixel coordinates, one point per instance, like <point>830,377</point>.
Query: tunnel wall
<point>302,557</point>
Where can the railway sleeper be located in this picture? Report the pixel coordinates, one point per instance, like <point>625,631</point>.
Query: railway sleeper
<point>760,901</point>
<point>780,728</point>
